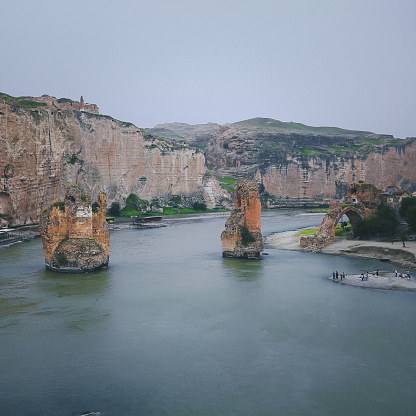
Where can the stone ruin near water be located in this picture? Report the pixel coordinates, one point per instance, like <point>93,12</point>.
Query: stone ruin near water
<point>242,235</point>
<point>363,200</point>
<point>75,239</point>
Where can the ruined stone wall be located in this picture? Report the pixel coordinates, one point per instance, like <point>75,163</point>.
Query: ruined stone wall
<point>74,239</point>
<point>363,200</point>
<point>99,226</point>
<point>54,229</point>
<point>66,104</point>
<point>242,235</point>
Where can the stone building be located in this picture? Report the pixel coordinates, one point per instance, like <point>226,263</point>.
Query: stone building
<point>75,239</point>
<point>242,235</point>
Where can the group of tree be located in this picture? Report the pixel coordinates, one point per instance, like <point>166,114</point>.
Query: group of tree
<point>134,203</point>
<point>408,211</point>
<point>385,222</point>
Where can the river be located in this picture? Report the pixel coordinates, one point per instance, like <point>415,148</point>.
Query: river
<point>172,328</point>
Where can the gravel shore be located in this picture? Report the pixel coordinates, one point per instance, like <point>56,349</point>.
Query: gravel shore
<point>385,280</point>
<point>394,253</point>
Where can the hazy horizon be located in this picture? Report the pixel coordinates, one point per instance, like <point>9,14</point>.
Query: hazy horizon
<point>323,63</point>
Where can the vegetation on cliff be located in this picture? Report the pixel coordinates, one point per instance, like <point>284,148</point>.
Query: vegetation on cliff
<point>23,101</point>
<point>136,206</point>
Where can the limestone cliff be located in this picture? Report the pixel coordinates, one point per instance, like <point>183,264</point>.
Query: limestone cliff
<point>242,235</point>
<point>297,163</point>
<point>75,239</point>
<point>42,149</point>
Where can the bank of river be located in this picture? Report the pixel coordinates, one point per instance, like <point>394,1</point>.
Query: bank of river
<point>172,328</point>
<point>404,257</point>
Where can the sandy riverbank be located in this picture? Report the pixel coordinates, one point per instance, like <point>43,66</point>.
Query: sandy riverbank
<point>404,257</point>
<point>392,252</point>
<point>385,280</point>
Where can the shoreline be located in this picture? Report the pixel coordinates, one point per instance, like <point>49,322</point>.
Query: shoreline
<point>384,281</point>
<point>383,251</point>
<point>389,252</point>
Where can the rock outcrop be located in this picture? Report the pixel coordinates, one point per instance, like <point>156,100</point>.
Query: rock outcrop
<point>242,235</point>
<point>44,149</point>
<point>363,199</point>
<point>302,165</point>
<point>75,239</point>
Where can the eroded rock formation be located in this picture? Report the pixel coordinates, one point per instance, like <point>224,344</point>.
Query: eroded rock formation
<point>44,149</point>
<point>242,235</point>
<point>300,165</point>
<point>75,239</point>
<point>363,199</point>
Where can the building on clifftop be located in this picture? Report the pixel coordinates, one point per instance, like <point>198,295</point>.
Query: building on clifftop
<point>75,239</point>
<point>242,235</point>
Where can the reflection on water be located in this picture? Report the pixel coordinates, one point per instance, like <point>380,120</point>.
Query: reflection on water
<point>173,328</point>
<point>244,270</point>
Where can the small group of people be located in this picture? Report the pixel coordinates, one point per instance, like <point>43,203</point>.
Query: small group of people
<point>403,275</point>
<point>364,276</point>
<point>336,275</point>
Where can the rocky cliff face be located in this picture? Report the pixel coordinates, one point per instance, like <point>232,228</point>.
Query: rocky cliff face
<point>296,163</point>
<point>43,149</point>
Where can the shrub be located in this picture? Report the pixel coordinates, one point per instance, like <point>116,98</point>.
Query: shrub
<point>199,206</point>
<point>61,259</point>
<point>95,207</point>
<point>246,236</point>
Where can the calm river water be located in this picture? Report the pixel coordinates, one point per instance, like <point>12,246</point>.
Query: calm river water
<point>172,328</point>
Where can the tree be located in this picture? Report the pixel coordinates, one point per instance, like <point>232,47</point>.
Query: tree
<point>383,223</point>
<point>406,204</point>
<point>411,217</point>
<point>114,209</point>
<point>199,206</point>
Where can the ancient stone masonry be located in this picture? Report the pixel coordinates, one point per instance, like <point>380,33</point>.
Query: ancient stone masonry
<point>363,199</point>
<point>75,239</point>
<point>66,104</point>
<point>242,235</point>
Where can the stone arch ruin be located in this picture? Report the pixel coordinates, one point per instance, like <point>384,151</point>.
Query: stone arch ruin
<point>363,200</point>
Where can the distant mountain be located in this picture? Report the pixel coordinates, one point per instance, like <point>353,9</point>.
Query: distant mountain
<point>196,135</point>
<point>269,125</point>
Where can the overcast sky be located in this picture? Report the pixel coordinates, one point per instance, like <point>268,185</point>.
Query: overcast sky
<point>344,63</point>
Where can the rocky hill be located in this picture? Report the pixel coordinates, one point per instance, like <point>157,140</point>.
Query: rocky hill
<point>48,143</point>
<point>44,148</point>
<point>296,164</point>
<point>197,135</point>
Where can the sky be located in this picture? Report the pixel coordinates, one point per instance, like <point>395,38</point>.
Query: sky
<point>349,64</point>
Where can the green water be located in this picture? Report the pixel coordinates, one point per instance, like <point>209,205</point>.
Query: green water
<point>172,328</point>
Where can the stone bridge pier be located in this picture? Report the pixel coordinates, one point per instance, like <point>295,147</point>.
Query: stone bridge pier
<point>363,199</point>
